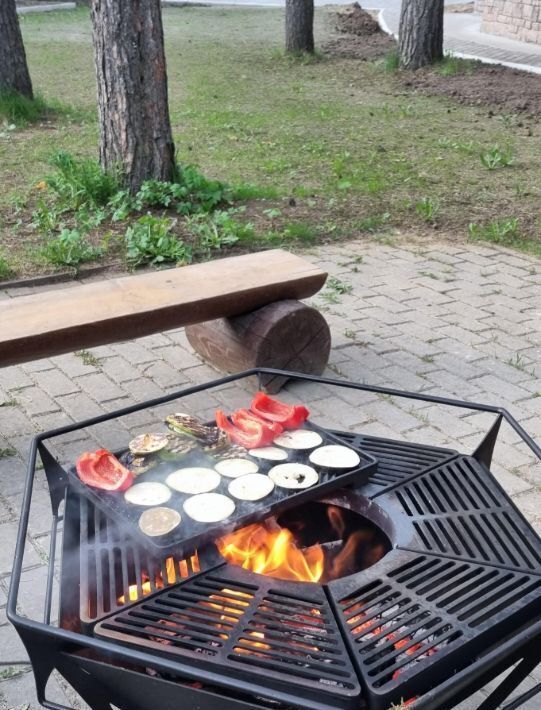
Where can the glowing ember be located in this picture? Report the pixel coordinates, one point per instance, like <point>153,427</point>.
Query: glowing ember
<point>272,553</point>
<point>174,570</point>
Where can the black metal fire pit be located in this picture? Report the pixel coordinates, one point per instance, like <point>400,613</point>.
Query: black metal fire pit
<point>443,593</point>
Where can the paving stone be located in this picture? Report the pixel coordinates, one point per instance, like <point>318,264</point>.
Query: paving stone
<point>56,383</point>
<point>73,365</point>
<point>80,406</point>
<point>14,378</point>
<point>13,421</point>
<point>35,401</point>
<point>164,375</point>
<point>119,369</point>
<point>133,352</point>
<point>100,387</point>
<point>8,536</point>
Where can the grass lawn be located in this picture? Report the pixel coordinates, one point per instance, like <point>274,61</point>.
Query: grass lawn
<point>337,147</point>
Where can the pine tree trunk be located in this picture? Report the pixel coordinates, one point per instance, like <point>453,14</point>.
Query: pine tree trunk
<point>135,130</point>
<point>14,75</point>
<point>420,37</point>
<point>299,26</point>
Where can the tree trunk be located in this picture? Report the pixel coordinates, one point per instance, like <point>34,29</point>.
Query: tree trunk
<point>135,130</point>
<point>299,26</point>
<point>420,36</point>
<point>14,75</point>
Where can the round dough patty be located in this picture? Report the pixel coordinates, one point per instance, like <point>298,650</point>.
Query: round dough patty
<point>293,475</point>
<point>335,456</point>
<point>269,453</point>
<point>234,468</point>
<point>193,480</point>
<point>148,493</point>
<point>209,507</point>
<point>299,439</point>
<point>159,521</point>
<point>253,486</point>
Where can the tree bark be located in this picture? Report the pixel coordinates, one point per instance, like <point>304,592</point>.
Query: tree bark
<point>299,26</point>
<point>14,75</point>
<point>420,36</point>
<point>135,130</point>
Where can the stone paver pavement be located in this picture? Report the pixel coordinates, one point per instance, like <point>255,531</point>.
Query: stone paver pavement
<point>458,321</point>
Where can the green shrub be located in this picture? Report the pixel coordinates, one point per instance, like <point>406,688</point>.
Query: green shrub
<point>150,241</point>
<point>391,62</point>
<point>81,182</point>
<point>426,209</point>
<point>497,157</point>
<point>5,269</point>
<point>218,229</point>
<point>45,218</point>
<point>70,248</point>
<point>20,110</point>
<point>503,231</point>
<point>190,192</point>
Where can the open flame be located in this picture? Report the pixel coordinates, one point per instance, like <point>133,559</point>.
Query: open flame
<point>273,553</point>
<point>174,570</point>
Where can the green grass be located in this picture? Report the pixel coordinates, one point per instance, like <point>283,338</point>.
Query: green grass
<point>341,148</point>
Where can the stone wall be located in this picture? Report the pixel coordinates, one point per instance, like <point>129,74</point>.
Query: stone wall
<point>518,19</point>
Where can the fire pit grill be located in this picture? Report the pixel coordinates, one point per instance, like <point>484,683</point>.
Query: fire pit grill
<point>455,601</point>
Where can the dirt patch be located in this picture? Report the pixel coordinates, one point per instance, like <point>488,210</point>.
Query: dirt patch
<point>360,35</point>
<point>506,90</point>
<point>354,20</point>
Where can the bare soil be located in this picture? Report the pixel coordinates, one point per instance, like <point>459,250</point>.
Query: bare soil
<point>504,90</point>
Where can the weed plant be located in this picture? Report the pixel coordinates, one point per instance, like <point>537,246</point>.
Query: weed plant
<point>150,240</point>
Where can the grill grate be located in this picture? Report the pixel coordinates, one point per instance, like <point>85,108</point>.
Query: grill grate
<point>397,461</point>
<point>459,510</point>
<point>407,627</point>
<point>114,570</point>
<point>285,639</point>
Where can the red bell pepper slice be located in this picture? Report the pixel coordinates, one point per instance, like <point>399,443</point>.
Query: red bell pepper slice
<point>242,415</point>
<point>290,416</point>
<point>102,470</point>
<point>248,432</point>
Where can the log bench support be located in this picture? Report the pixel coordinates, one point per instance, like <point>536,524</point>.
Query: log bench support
<point>287,335</point>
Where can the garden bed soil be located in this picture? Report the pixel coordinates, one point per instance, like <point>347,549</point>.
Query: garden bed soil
<point>505,90</point>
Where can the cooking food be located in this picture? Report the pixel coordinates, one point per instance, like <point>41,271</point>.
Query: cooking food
<point>209,507</point>
<point>138,464</point>
<point>178,446</point>
<point>243,415</point>
<point>293,475</point>
<point>299,439</point>
<point>192,426</point>
<point>289,416</point>
<point>253,486</point>
<point>269,453</point>
<point>159,521</point>
<point>100,469</point>
<point>148,444</point>
<point>233,468</point>
<point>233,451</point>
<point>335,456</point>
<point>247,432</point>
<point>193,480</point>
<point>148,493</point>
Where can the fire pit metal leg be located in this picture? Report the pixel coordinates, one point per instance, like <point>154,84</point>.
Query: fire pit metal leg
<point>511,682</point>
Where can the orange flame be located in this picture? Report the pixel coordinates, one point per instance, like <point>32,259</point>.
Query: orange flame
<point>174,570</point>
<point>272,553</point>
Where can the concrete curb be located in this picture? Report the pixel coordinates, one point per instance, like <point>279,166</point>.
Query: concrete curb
<point>49,7</point>
<point>485,60</point>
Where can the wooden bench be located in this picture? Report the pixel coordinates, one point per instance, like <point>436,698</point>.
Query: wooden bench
<point>246,309</point>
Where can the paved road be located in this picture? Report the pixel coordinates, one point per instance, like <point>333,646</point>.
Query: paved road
<point>449,320</point>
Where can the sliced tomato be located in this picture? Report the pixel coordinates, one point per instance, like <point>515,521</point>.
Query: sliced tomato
<point>290,416</point>
<point>247,432</point>
<point>242,415</point>
<point>100,469</point>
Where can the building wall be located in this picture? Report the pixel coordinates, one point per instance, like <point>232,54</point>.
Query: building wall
<point>518,19</point>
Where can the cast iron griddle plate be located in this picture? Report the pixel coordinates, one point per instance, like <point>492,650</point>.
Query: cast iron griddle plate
<point>191,534</point>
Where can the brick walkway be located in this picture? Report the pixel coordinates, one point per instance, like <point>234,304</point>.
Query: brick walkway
<point>456,321</point>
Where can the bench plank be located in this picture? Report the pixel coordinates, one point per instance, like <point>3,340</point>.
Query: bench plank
<point>60,321</point>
